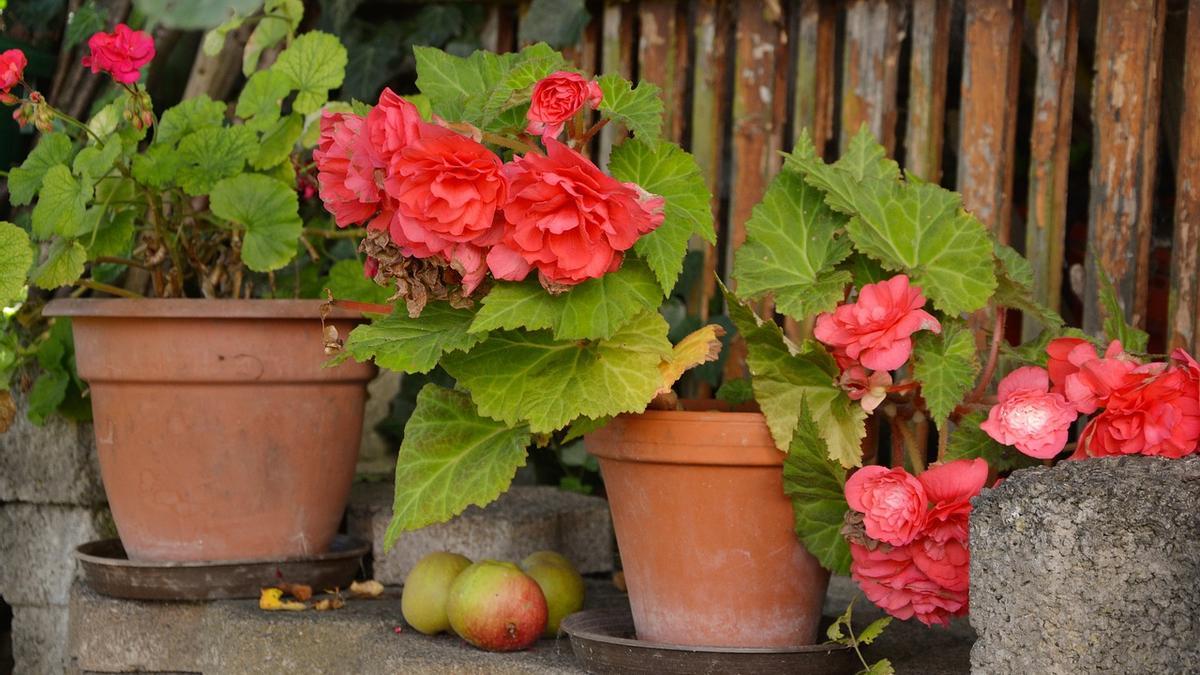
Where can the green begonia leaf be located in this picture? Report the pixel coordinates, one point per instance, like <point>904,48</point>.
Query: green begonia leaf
<point>794,244</point>
<point>347,282</point>
<point>815,485</point>
<point>61,203</point>
<point>520,377</point>
<point>16,257</point>
<point>639,108</point>
<point>1014,288</point>
<point>946,365</point>
<point>269,210</point>
<point>25,180</point>
<point>278,141</point>
<point>477,88</point>
<point>400,342</point>
<point>451,458</point>
<point>314,63</point>
<point>209,155</point>
<point>785,379</point>
<point>63,266</point>
<point>663,169</point>
<point>594,309</point>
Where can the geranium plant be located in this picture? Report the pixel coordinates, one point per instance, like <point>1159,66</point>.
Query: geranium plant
<point>907,295</point>
<point>200,203</point>
<point>527,273</point>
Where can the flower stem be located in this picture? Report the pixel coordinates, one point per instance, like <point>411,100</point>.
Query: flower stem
<point>352,233</point>
<point>106,288</point>
<point>587,137</point>
<point>504,142</point>
<point>993,356</point>
<point>74,122</point>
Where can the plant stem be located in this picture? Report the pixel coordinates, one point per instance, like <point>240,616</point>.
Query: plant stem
<point>119,261</point>
<point>352,233</point>
<point>993,356</point>
<point>587,137</point>
<point>911,447</point>
<point>105,288</point>
<point>497,139</point>
<point>943,439</point>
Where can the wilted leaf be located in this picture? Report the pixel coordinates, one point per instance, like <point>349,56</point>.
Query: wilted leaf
<point>271,600</point>
<point>366,589</point>
<point>700,347</point>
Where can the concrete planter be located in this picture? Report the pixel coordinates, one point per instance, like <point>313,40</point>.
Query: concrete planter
<point>1090,566</point>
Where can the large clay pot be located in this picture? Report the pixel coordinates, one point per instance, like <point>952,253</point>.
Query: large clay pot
<point>220,434</point>
<point>705,532</point>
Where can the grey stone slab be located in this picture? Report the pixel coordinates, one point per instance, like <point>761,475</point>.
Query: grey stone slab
<point>38,637</point>
<point>523,520</point>
<point>37,564</point>
<point>113,635</point>
<point>51,464</point>
<point>1089,567</point>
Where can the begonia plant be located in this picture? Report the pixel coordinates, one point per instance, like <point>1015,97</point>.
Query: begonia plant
<point>204,202</point>
<point>907,295</point>
<point>519,267</point>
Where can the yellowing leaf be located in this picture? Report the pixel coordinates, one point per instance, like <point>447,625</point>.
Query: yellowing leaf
<point>271,600</point>
<point>698,348</point>
<point>327,604</point>
<point>366,589</point>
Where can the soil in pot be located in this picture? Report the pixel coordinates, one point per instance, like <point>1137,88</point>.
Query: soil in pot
<point>705,532</point>
<point>220,434</point>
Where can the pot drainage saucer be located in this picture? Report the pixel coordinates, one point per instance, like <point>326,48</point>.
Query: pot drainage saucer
<point>603,641</point>
<point>107,570</point>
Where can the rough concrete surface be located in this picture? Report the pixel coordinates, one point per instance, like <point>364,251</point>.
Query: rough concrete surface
<point>523,520</point>
<point>51,464</point>
<point>1089,567</point>
<point>37,563</point>
<point>39,647</point>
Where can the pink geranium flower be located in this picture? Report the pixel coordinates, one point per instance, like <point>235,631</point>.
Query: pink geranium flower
<point>121,53</point>
<point>1028,415</point>
<point>877,328</point>
<point>892,501</point>
<point>1155,412</point>
<point>12,69</point>
<point>868,389</point>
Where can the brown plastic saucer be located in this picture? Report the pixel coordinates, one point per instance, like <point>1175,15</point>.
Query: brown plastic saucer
<point>603,641</point>
<point>107,570</point>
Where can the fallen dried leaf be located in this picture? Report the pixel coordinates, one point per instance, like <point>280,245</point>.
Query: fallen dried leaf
<point>366,589</point>
<point>271,600</point>
<point>8,411</point>
<point>327,604</point>
<point>302,592</point>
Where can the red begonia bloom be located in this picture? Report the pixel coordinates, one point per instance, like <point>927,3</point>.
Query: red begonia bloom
<point>556,98</point>
<point>876,329</point>
<point>1155,412</point>
<point>893,503</point>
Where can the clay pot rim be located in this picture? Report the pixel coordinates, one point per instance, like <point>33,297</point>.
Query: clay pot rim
<point>756,449</point>
<point>193,308</point>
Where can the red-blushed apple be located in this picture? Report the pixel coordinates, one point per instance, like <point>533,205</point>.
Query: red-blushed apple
<point>497,607</point>
<point>560,583</point>
<point>426,589</point>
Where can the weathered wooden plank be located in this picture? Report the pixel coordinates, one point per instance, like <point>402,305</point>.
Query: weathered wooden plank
<point>499,31</point>
<point>1049,151</point>
<point>662,58</point>
<point>1125,106</point>
<point>584,52</point>
<point>616,56</point>
<point>812,102</point>
<point>756,132</point>
<point>1184,312</point>
<point>713,20</point>
<point>870,67</point>
<point>925,126</point>
<point>991,68</point>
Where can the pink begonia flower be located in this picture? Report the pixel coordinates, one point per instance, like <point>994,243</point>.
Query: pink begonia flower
<point>940,552</point>
<point>1082,376</point>
<point>891,579</point>
<point>1156,412</point>
<point>556,98</point>
<point>892,501</point>
<point>1067,354</point>
<point>345,171</point>
<point>876,330</point>
<point>391,125</point>
<point>1028,416</point>
<point>868,390</point>
<point>121,53</point>
<point>470,261</point>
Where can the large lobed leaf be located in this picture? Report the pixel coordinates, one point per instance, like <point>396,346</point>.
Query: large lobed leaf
<point>594,309</point>
<point>908,226</point>
<point>451,458</point>
<point>16,257</point>
<point>815,486</point>
<point>314,63</point>
<point>61,204</point>
<point>946,365</point>
<point>270,213</point>
<point>25,180</point>
<point>210,155</point>
<point>529,377</point>
<point>794,244</point>
<point>787,379</point>
<point>639,108</point>
<point>400,342</point>
<point>663,169</point>
<point>63,264</point>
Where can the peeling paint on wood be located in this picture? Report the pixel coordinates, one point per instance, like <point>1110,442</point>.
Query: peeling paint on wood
<point>1184,311</point>
<point>1125,107</point>
<point>991,68</point>
<point>1049,151</point>
<point>616,56</point>
<point>812,105</point>
<point>870,68</point>
<point>927,88</point>
<point>662,58</point>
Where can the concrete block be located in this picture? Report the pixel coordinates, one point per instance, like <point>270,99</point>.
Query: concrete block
<point>37,563</point>
<point>523,520</point>
<point>51,464</point>
<point>1088,567</point>
<point>39,640</point>
<point>113,635</point>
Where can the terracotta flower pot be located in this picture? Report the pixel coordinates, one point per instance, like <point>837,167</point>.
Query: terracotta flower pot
<point>220,435</point>
<point>705,533</point>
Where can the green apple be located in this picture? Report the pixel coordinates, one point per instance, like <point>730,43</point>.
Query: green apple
<point>560,583</point>
<point>426,588</point>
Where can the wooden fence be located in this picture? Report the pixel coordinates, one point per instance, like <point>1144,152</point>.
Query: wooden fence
<point>1048,116</point>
